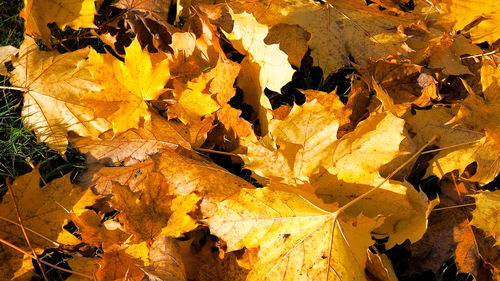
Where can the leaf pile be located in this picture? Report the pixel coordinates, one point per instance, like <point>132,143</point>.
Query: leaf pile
<point>335,185</point>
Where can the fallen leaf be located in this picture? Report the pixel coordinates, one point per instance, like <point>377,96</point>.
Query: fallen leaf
<point>134,145</point>
<point>75,14</point>
<point>54,84</point>
<point>265,66</point>
<point>292,40</point>
<point>126,86</point>
<point>485,214</point>
<point>6,53</point>
<point>44,210</point>
<point>196,174</point>
<point>460,15</point>
<point>165,260</point>
<point>295,237</point>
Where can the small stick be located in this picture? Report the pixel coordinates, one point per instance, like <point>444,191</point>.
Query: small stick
<point>215,151</point>
<point>24,230</point>
<point>448,147</point>
<point>453,207</point>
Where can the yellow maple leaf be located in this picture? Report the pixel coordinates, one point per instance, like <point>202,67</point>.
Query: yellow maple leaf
<point>462,146</point>
<point>485,216</point>
<point>6,53</point>
<point>136,144</point>
<point>54,84</point>
<point>44,211</point>
<point>338,29</point>
<point>305,152</point>
<point>94,232</point>
<point>481,114</point>
<point>75,14</point>
<point>460,14</point>
<point>15,265</point>
<point>147,213</point>
<point>131,175</point>
<point>306,133</point>
<point>193,102</point>
<point>265,66</point>
<point>195,174</point>
<point>294,237</point>
<point>126,86</point>
<point>160,260</point>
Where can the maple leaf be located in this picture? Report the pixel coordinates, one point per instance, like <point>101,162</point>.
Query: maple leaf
<point>54,84</point>
<point>14,265</point>
<point>307,132</point>
<point>379,266</point>
<point>192,103</point>
<point>265,66</point>
<point>203,263</point>
<point>94,232</point>
<point>43,212</point>
<point>461,15</point>
<point>296,238</point>
<point>126,86</point>
<point>292,40</point>
<point>161,260</point>
<point>75,14</point>
<point>453,231</point>
<point>134,145</point>
<point>82,265</point>
<point>102,178</point>
<point>462,145</point>
<point>475,126</point>
<point>6,53</point>
<point>148,22</point>
<point>445,50</point>
<point>123,262</point>
<point>402,82</point>
<point>306,152</point>
<point>337,29</point>
<point>146,213</point>
<point>194,174</point>
<point>485,214</point>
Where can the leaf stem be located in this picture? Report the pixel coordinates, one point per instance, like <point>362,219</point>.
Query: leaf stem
<point>454,207</point>
<point>451,146</point>
<point>216,152</point>
<point>13,88</point>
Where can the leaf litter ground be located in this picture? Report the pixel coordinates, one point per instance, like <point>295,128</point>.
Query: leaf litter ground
<point>183,83</point>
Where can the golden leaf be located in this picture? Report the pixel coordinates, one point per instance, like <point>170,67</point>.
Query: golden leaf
<point>134,145</point>
<point>75,14</point>
<point>485,216</point>
<point>54,84</point>
<point>265,66</point>
<point>296,240</point>
<point>126,86</point>
<point>43,210</point>
<point>6,53</point>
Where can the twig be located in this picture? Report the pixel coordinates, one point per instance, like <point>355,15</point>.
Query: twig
<point>453,207</point>
<point>216,152</point>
